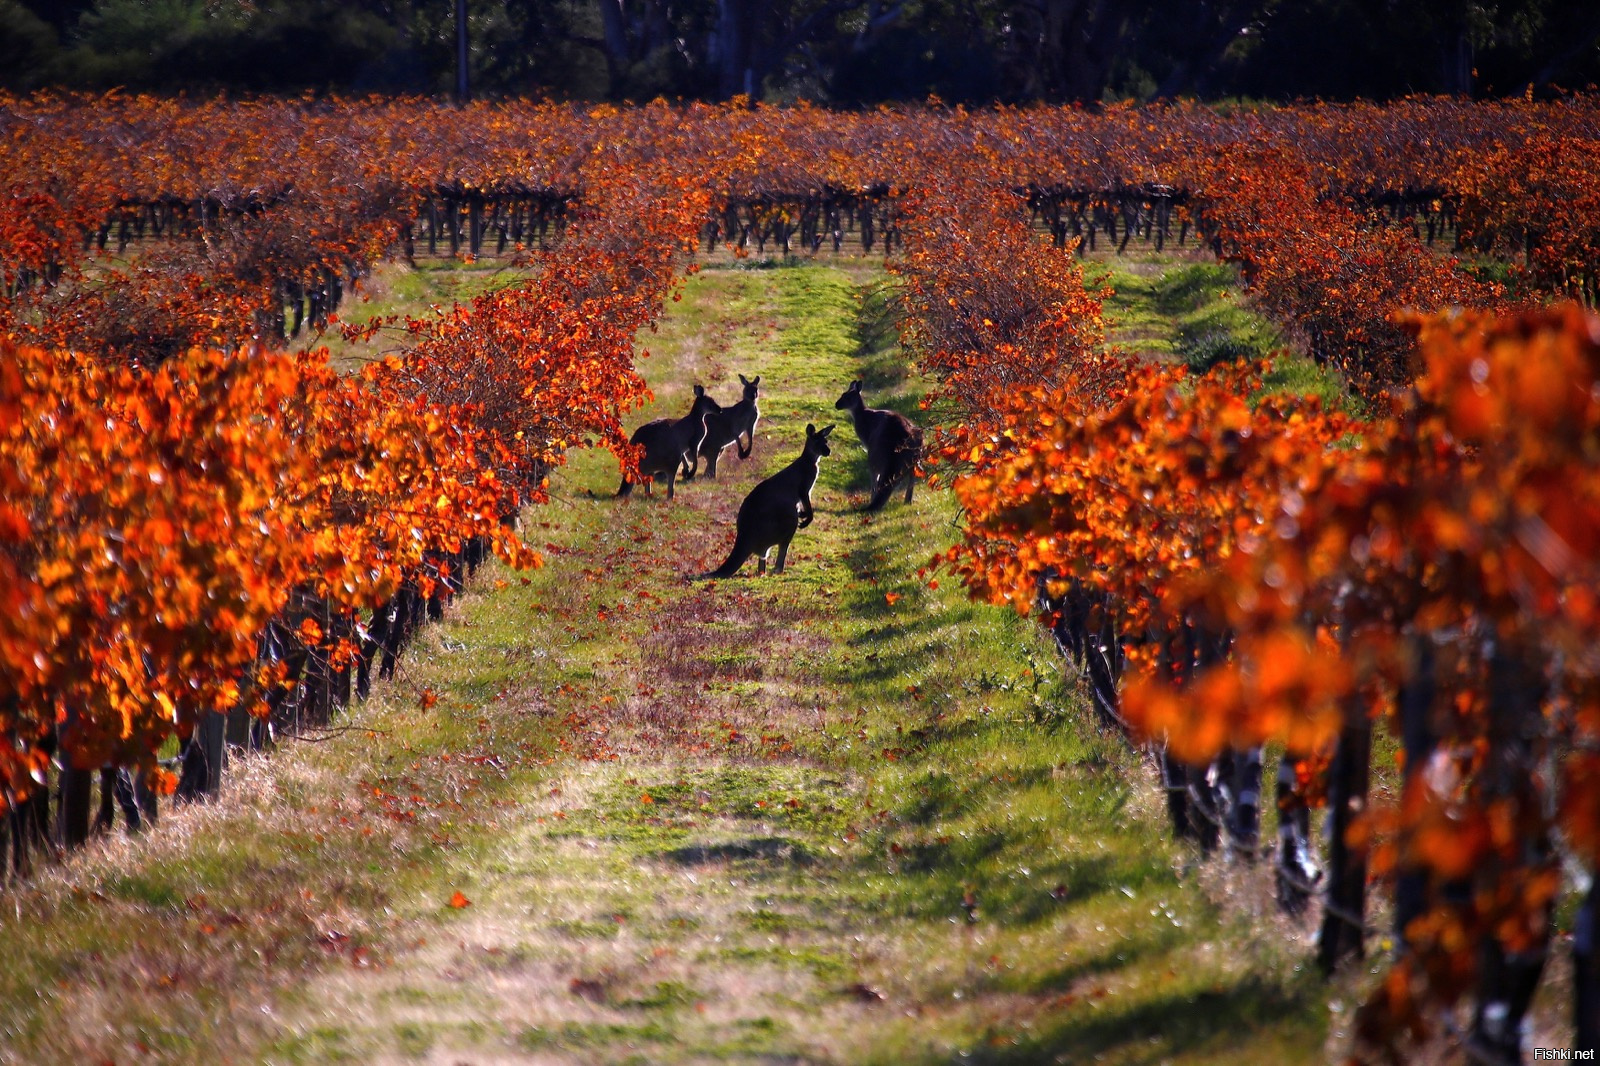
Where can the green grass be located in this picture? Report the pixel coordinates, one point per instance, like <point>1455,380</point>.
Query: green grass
<point>396,289</point>
<point>1189,312</point>
<point>1293,374</point>
<point>1173,308</point>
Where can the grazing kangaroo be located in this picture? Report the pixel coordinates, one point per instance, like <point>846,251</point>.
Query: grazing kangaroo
<point>726,426</point>
<point>672,443</point>
<point>776,509</point>
<point>893,443</point>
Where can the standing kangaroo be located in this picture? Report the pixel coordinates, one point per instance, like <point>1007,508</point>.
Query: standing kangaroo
<point>672,443</point>
<point>726,426</point>
<point>893,443</point>
<point>776,509</point>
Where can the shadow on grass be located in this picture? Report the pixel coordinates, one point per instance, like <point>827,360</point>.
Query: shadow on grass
<point>882,365</point>
<point>1168,1027</point>
<point>1189,288</point>
<point>937,878</point>
<point>771,849</point>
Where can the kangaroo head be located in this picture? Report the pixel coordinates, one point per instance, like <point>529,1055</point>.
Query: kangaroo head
<point>750,386</point>
<point>703,403</point>
<point>851,397</point>
<point>817,443</point>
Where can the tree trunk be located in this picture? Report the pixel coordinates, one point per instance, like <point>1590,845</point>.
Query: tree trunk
<point>73,787</point>
<point>1175,781</point>
<point>1456,63</point>
<point>1586,974</point>
<point>614,36</point>
<point>1415,700</point>
<point>1091,49</point>
<point>463,90</point>
<point>1507,979</point>
<point>733,46</point>
<point>1345,912</point>
<point>147,800</point>
<point>1244,804</point>
<point>74,808</point>
<point>1296,873</point>
<point>214,727</point>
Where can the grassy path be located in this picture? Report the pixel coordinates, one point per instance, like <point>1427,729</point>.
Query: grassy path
<point>831,816</point>
<point>1186,307</point>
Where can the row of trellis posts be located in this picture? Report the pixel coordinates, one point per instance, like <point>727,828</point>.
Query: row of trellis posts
<point>1218,806</point>
<point>313,685</point>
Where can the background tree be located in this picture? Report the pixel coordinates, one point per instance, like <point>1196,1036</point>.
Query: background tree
<point>854,52</point>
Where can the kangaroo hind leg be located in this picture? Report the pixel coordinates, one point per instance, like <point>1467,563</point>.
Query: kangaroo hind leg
<point>881,488</point>
<point>783,553</point>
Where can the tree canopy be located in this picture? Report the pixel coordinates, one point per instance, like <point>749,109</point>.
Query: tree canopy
<point>844,52</point>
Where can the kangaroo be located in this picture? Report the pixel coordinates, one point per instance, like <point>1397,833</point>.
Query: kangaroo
<point>893,443</point>
<point>726,426</point>
<point>776,508</point>
<point>672,443</point>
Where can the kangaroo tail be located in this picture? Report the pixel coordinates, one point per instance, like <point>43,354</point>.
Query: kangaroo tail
<point>626,489</point>
<point>736,558</point>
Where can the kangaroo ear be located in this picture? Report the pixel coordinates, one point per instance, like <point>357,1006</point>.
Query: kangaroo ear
<point>757,380</point>
<point>744,379</point>
<point>699,390</point>
<point>811,430</point>
<point>826,430</point>
<point>855,386</point>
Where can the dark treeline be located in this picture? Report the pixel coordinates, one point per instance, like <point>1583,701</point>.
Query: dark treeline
<point>845,52</point>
